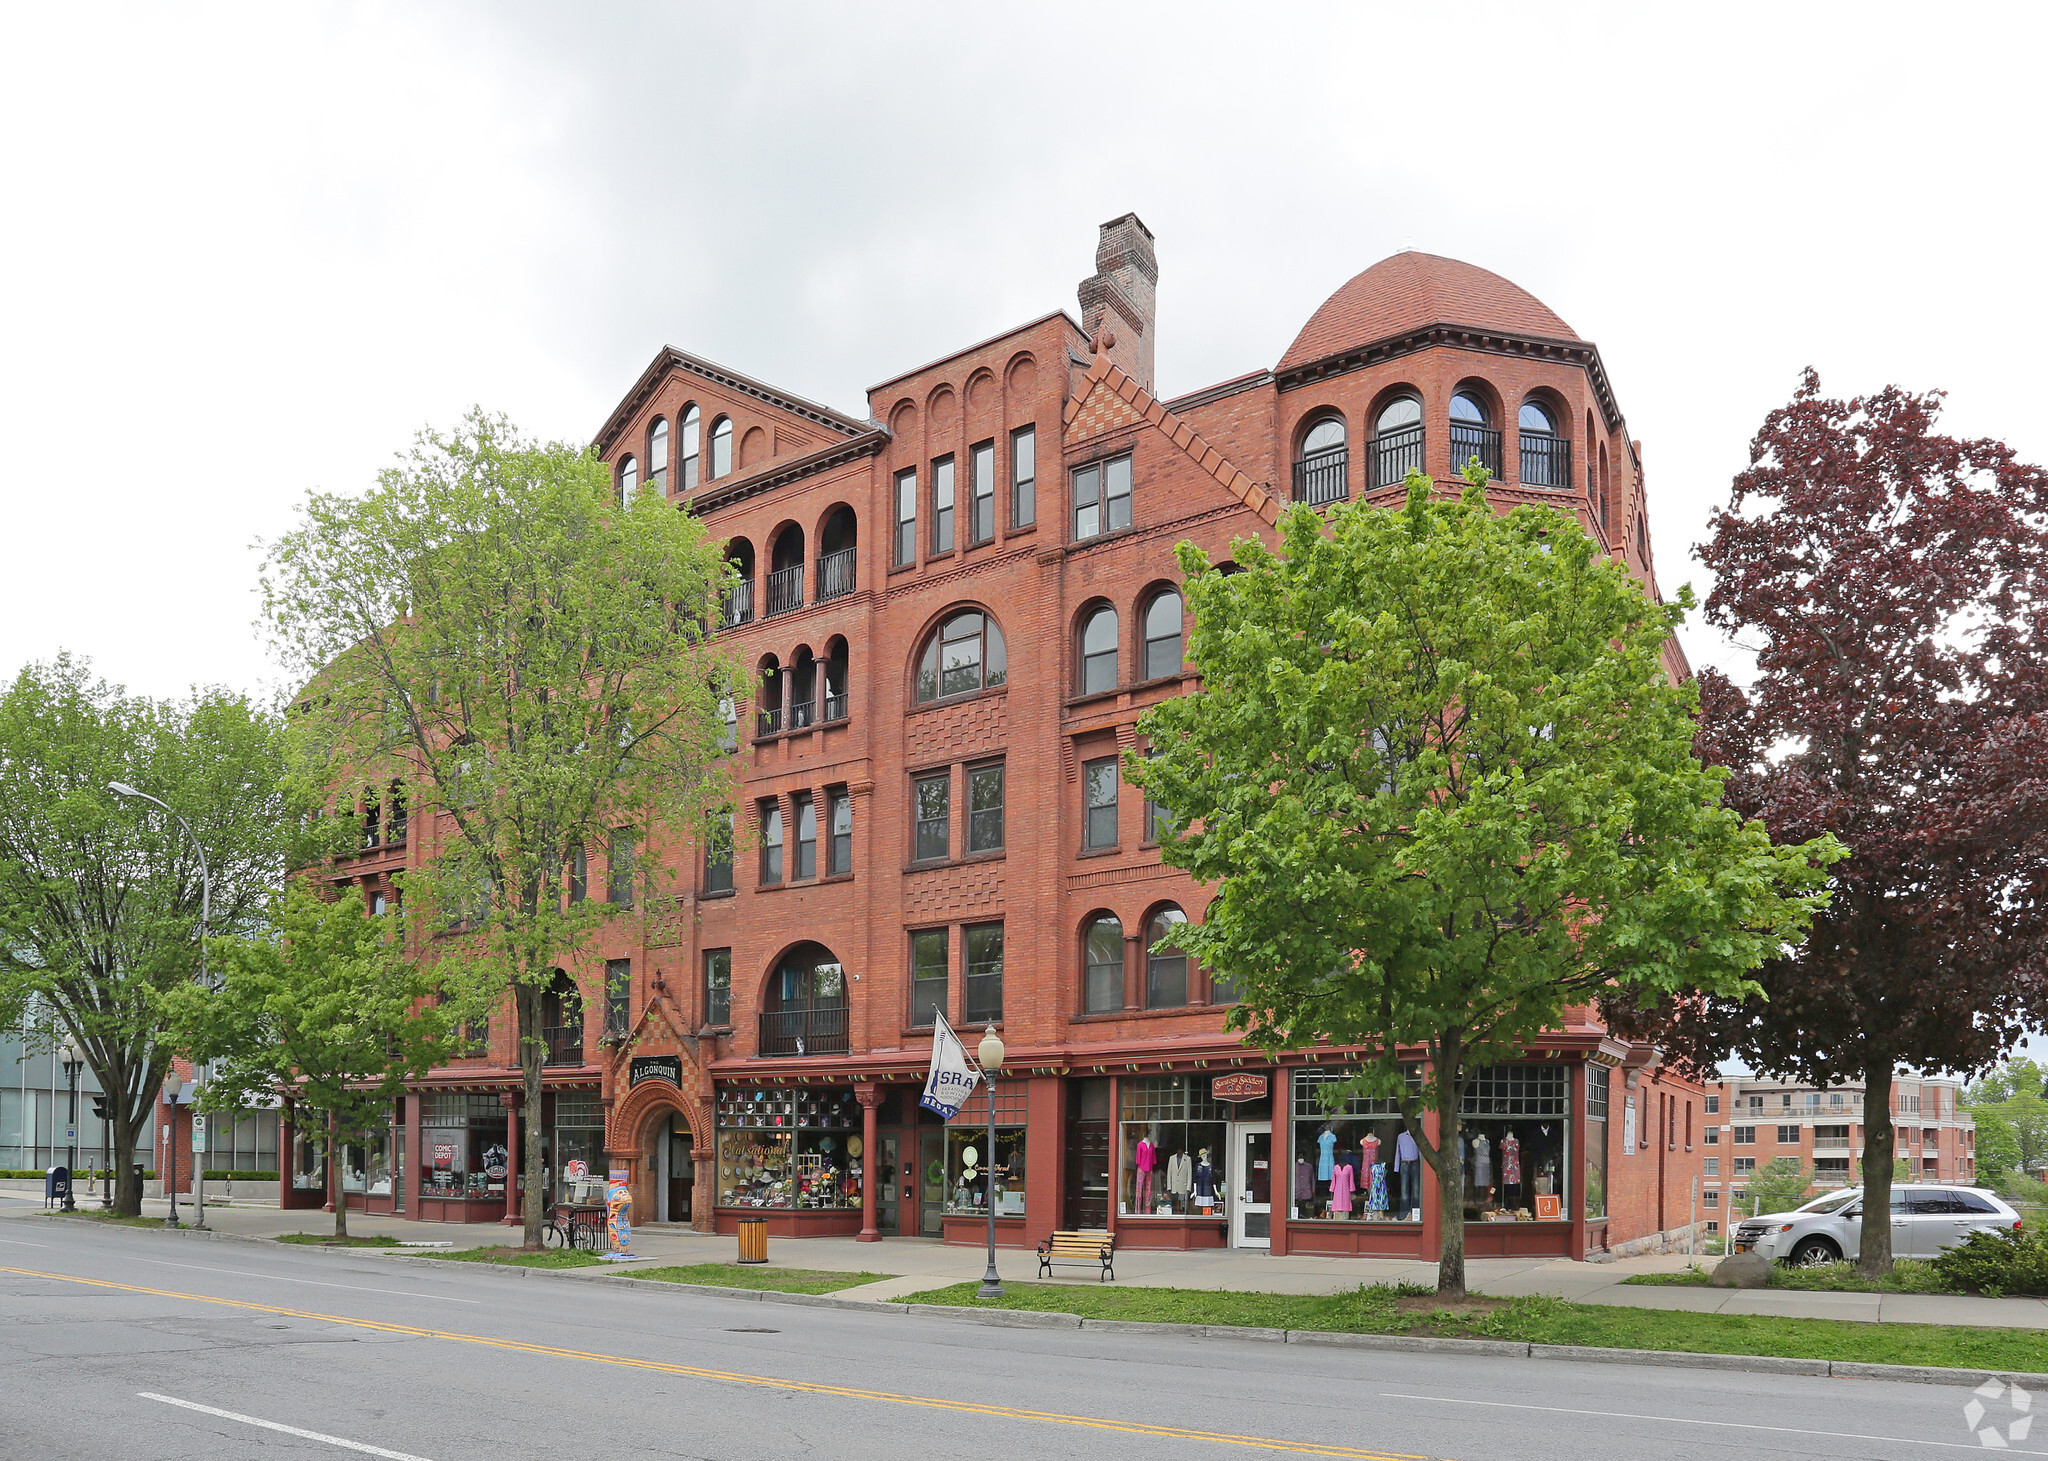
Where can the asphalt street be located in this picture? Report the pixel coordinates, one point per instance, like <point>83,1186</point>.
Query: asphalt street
<point>118,1342</point>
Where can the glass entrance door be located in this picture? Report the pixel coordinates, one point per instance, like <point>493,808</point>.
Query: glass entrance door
<point>1251,1184</point>
<point>931,1181</point>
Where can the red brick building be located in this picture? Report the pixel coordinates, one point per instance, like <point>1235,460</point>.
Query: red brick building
<point>959,602</point>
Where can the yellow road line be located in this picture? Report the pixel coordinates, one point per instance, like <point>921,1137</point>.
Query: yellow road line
<point>964,1407</point>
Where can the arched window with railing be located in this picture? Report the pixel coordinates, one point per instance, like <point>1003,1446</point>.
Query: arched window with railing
<point>837,543</point>
<point>1473,433</point>
<point>833,704</point>
<point>1322,472</point>
<point>805,1009</point>
<point>1397,441</point>
<point>739,599</point>
<point>562,1021</point>
<point>1546,453</point>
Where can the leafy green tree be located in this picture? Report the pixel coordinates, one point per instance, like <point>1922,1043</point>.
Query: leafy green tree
<point>1998,1146</point>
<point>100,896</point>
<point>2012,1118</point>
<point>1446,784</point>
<point>323,1007</point>
<point>492,627</point>
<point>1779,1185</point>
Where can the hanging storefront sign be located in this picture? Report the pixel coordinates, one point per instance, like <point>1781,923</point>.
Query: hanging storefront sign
<point>656,1068</point>
<point>1239,1085</point>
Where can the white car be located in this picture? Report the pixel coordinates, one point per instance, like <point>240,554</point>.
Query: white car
<point>1829,1229</point>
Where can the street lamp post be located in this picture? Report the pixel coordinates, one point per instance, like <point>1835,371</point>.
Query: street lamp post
<point>122,788</point>
<point>991,1053</point>
<point>171,1085</point>
<point>72,1060</point>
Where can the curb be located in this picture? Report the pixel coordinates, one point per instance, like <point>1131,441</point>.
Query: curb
<point>1314,1338</point>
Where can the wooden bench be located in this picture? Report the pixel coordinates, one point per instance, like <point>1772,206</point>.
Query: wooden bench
<point>1080,1247</point>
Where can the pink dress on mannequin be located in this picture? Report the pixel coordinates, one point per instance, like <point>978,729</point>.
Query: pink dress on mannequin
<point>1147,1159</point>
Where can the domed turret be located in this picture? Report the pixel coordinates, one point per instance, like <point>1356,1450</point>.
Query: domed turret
<point>1409,291</point>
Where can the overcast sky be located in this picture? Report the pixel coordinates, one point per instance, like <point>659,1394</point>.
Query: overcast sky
<point>251,249</point>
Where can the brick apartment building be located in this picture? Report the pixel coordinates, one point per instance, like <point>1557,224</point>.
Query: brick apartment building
<point>958,602</point>
<point>1754,1122</point>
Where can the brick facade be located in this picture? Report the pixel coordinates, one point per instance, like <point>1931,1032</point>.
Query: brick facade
<point>804,484</point>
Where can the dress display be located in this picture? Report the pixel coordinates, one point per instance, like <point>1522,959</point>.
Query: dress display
<point>1205,1181</point>
<point>1376,1199</point>
<point>1341,1187</point>
<point>1180,1175</point>
<point>1369,1152</point>
<point>1510,1161</point>
<point>1327,1146</point>
<point>1304,1181</point>
<point>1482,1162</point>
<point>1146,1158</point>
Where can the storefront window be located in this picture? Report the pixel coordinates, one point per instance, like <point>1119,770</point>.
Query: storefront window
<point>1174,1140</point>
<point>1596,1142</point>
<point>462,1145</point>
<point>1514,1125</point>
<point>309,1161</point>
<point>967,1155</point>
<point>577,1151</point>
<point>1354,1162</point>
<point>789,1148</point>
<point>352,1167</point>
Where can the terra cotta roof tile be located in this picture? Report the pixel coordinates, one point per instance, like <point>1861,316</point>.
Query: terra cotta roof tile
<point>1410,290</point>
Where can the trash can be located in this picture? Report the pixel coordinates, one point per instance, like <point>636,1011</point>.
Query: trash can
<point>753,1240</point>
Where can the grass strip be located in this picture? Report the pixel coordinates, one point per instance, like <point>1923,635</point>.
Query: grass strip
<point>1908,1276</point>
<point>328,1240</point>
<point>112,1217</point>
<point>758,1276</point>
<point>1383,1309</point>
<point>518,1257</point>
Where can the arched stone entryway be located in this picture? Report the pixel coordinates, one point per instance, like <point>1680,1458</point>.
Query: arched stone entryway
<point>661,1137</point>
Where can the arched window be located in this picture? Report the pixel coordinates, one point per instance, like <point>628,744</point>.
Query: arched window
<point>769,697</point>
<point>835,704</point>
<point>692,426</point>
<point>562,1021</point>
<point>657,455</point>
<point>803,689</point>
<point>964,654</point>
<point>806,1004</point>
<point>1166,970</point>
<point>1162,636</point>
<point>721,447</point>
<point>1546,456</point>
<point>1098,652</point>
<point>1397,441</point>
<point>1471,435</point>
<point>629,479</point>
<point>771,843</point>
<point>1322,473</point>
<point>1103,954</point>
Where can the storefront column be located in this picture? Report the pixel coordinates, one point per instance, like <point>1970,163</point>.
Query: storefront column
<point>870,1097</point>
<point>1045,1129</point>
<point>514,1216</point>
<point>1282,1187</point>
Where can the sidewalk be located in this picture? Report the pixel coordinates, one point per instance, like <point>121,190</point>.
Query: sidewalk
<point>924,1263</point>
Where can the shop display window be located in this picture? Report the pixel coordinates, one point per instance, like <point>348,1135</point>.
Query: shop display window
<point>1353,1161</point>
<point>462,1145</point>
<point>366,1165</point>
<point>967,1155</point>
<point>1596,1143</point>
<point>1514,1124</point>
<point>579,1170</point>
<point>309,1161</point>
<point>1174,1140</point>
<point>789,1148</point>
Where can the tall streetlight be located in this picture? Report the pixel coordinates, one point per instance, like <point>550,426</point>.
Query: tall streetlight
<point>122,788</point>
<point>171,1087</point>
<point>72,1059</point>
<point>991,1053</point>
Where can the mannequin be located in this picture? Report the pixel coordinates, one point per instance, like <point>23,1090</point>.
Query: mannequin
<point>1406,1155</point>
<point>1376,1195</point>
<point>1147,1158</point>
<point>1369,1151</point>
<point>1510,1163</point>
<point>1180,1178</point>
<point>1205,1180</point>
<point>1342,1184</point>
<point>1326,1142</point>
<point>1482,1162</point>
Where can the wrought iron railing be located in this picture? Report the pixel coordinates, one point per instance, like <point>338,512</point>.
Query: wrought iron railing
<point>803,711</point>
<point>785,589</point>
<point>1469,441</point>
<point>835,574</point>
<point>768,720</point>
<point>564,1045</point>
<point>1546,462</point>
<point>834,708</point>
<point>1323,476</point>
<point>804,1032</point>
<point>1395,454</point>
<point>739,604</point>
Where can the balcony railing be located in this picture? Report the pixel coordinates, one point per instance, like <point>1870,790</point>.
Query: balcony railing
<point>1468,441</point>
<point>1323,476</point>
<point>785,590</point>
<point>834,709</point>
<point>835,574</point>
<point>768,720</point>
<point>564,1045</point>
<point>739,604</point>
<point>1395,454</point>
<point>803,711</point>
<point>395,835</point>
<point>1546,462</point>
<point>804,1032</point>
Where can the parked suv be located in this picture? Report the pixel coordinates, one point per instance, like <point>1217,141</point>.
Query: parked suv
<point>1829,1229</point>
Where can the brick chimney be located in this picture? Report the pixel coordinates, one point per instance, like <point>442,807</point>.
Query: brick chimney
<point>1119,302</point>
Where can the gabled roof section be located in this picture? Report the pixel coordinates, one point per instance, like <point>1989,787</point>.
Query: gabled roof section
<point>670,359</point>
<point>1139,404</point>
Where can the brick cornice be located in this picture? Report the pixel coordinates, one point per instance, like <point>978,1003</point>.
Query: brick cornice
<point>670,359</point>
<point>771,477</point>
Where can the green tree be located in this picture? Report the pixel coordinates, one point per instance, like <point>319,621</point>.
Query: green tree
<point>100,897</point>
<point>324,1007</point>
<point>1447,786</point>
<point>1998,1146</point>
<point>1779,1185</point>
<point>490,625</point>
<point>2012,1118</point>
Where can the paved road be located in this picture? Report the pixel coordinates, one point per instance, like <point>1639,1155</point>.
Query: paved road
<point>125,1343</point>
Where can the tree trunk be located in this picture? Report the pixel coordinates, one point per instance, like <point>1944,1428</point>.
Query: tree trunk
<point>1449,1168</point>
<point>1879,1142</point>
<point>127,1181</point>
<point>526,1000</point>
<point>334,1181</point>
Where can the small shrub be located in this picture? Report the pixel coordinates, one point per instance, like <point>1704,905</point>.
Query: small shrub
<point>1997,1263</point>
